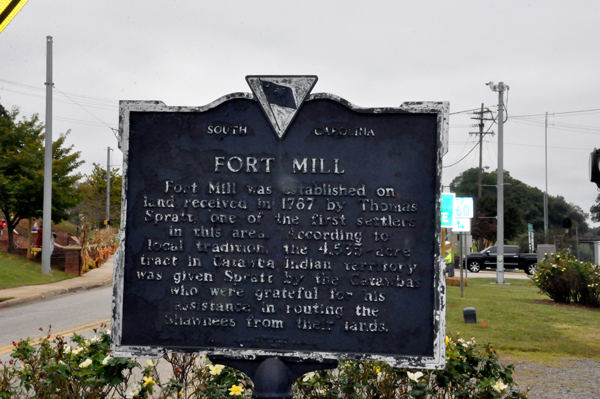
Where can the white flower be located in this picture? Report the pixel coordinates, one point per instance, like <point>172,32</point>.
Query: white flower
<point>149,363</point>
<point>68,349</point>
<point>77,351</point>
<point>499,386</point>
<point>380,376</point>
<point>107,332</point>
<point>308,376</point>
<point>132,391</point>
<point>215,369</point>
<point>106,359</point>
<point>85,363</point>
<point>415,377</point>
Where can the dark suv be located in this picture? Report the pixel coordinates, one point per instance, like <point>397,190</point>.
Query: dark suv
<point>513,259</point>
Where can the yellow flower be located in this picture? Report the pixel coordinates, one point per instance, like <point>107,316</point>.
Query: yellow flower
<point>236,390</point>
<point>377,369</point>
<point>447,340</point>
<point>148,381</point>
<point>215,369</point>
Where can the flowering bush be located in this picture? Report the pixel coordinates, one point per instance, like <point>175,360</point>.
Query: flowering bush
<point>54,369</point>
<point>565,279</point>
<point>472,371</point>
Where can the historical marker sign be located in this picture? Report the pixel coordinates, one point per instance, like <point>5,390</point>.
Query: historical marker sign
<point>282,223</point>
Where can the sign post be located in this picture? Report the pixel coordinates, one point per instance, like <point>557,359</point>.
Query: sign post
<point>281,231</point>
<point>461,223</point>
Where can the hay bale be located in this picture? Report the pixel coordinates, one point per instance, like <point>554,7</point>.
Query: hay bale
<point>455,281</point>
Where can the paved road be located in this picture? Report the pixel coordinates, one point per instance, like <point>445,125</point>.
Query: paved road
<point>76,312</point>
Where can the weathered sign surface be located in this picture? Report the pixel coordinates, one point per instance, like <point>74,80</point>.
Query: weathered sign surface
<point>282,223</point>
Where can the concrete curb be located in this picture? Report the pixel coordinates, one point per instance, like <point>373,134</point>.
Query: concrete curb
<point>96,278</point>
<point>52,293</point>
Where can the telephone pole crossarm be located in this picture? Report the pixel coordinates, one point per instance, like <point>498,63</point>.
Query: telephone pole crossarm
<point>481,133</point>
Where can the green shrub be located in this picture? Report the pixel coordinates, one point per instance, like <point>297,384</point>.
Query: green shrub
<point>565,279</point>
<point>53,369</point>
<point>472,371</point>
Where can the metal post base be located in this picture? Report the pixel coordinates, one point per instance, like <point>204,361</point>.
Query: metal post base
<point>272,377</point>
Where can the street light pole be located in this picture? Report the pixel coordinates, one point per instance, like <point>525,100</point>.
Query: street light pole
<point>47,204</point>
<point>500,88</point>
<point>108,185</point>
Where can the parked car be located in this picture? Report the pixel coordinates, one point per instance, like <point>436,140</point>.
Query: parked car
<point>513,259</point>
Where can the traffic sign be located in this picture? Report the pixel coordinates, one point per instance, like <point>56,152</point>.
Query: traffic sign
<point>463,207</point>
<point>447,209</point>
<point>8,10</point>
<point>462,225</point>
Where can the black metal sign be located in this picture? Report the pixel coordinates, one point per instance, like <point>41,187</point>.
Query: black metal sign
<point>282,223</point>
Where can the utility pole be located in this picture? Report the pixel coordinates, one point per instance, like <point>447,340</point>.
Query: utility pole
<point>546,192</point>
<point>107,185</point>
<point>500,88</point>
<point>481,133</point>
<point>47,210</point>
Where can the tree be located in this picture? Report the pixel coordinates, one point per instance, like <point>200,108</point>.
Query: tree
<point>22,171</point>
<point>529,201</point>
<point>484,224</point>
<point>595,210</point>
<point>93,188</point>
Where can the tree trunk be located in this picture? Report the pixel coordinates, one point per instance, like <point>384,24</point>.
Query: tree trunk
<point>10,227</point>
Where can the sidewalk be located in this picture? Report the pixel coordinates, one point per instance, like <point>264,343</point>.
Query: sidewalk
<point>95,278</point>
<point>508,274</point>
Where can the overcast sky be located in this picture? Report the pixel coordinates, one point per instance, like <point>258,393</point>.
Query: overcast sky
<point>372,53</point>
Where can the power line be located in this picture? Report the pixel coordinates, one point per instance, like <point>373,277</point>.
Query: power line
<point>595,110</point>
<point>563,126</point>
<point>62,118</point>
<point>462,157</point>
<point>115,131</point>
<point>41,89</point>
<point>541,146</point>
<point>42,96</point>
<point>464,112</point>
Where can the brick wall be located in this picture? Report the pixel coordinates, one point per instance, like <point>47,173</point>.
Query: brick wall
<point>72,255</point>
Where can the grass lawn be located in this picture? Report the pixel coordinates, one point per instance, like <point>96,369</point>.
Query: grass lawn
<point>16,271</point>
<point>522,323</point>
